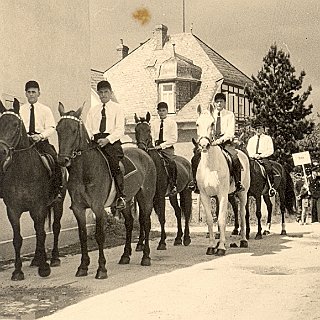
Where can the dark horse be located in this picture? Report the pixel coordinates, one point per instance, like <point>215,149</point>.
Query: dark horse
<point>26,187</point>
<point>90,185</point>
<point>144,142</point>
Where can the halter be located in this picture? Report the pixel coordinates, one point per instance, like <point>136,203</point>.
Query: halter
<point>145,144</point>
<point>76,150</point>
<point>18,134</point>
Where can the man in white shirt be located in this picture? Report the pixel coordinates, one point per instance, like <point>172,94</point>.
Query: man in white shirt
<point>40,125</point>
<point>260,147</point>
<point>224,134</point>
<point>164,132</point>
<point>105,124</point>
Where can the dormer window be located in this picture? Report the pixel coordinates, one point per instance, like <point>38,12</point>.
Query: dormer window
<point>166,94</point>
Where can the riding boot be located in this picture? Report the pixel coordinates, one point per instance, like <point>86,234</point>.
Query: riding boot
<point>172,170</point>
<point>237,174</point>
<point>194,165</point>
<point>121,199</point>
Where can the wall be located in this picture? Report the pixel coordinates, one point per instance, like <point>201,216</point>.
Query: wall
<point>47,41</point>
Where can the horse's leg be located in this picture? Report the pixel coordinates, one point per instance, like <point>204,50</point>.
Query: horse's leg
<point>177,210</point>
<point>223,208</point>
<point>233,202</point>
<point>159,204</point>
<point>283,212</point>
<point>206,202</point>
<point>248,218</point>
<point>268,203</point>
<point>139,246</point>
<point>186,207</point>
<point>258,215</point>
<point>243,234</point>
<point>80,214</point>
<point>128,222</point>
<point>14,219</point>
<point>100,237</point>
<point>38,216</point>
<point>217,235</point>
<point>56,226</point>
<point>145,205</point>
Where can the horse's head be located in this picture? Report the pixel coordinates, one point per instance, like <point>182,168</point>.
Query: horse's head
<point>11,130</point>
<point>143,131</point>
<point>70,131</point>
<point>205,126</point>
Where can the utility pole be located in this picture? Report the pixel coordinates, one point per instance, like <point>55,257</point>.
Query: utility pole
<point>183,17</point>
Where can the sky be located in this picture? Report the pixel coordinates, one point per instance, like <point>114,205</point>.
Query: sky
<point>241,31</point>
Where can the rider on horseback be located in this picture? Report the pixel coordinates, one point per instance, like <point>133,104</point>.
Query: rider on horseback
<point>40,124</point>
<point>224,134</point>
<point>105,123</point>
<point>260,147</point>
<point>165,133</point>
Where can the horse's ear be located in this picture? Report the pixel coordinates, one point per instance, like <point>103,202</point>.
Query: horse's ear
<point>79,111</point>
<point>61,109</point>
<point>16,105</point>
<point>136,119</point>
<point>194,142</point>
<point>148,116</point>
<point>199,109</point>
<point>2,107</point>
<point>211,108</point>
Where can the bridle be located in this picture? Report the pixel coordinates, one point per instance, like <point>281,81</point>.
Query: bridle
<point>148,141</point>
<point>76,150</point>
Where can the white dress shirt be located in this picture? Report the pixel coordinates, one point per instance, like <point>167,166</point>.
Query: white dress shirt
<point>265,146</point>
<point>114,120</point>
<point>43,116</point>
<point>228,123</point>
<point>170,132</point>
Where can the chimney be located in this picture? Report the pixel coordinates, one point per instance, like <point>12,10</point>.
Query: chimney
<point>160,34</point>
<point>122,49</point>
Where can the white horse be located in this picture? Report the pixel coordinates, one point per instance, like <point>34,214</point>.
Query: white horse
<point>213,178</point>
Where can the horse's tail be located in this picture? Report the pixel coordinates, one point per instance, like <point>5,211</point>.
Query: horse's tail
<point>290,197</point>
<point>186,203</point>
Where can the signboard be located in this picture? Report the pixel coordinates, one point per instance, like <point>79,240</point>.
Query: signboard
<point>301,158</point>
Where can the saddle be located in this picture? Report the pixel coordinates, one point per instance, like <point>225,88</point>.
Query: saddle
<point>47,161</point>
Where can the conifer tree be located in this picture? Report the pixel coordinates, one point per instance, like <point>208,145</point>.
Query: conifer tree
<point>280,104</point>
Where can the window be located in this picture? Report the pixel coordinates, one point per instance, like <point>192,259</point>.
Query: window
<point>167,94</point>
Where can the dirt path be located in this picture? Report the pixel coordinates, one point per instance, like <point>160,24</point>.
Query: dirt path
<point>275,278</point>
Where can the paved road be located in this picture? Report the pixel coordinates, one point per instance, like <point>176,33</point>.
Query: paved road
<point>275,278</point>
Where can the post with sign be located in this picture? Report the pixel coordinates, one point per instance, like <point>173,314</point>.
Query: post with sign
<point>300,159</point>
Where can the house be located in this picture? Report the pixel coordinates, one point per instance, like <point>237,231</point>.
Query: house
<point>181,70</point>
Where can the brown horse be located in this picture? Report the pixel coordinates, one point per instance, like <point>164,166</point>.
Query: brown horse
<point>144,142</point>
<point>26,187</point>
<point>90,185</point>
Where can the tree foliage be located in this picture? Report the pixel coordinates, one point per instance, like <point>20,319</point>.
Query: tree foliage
<point>280,105</point>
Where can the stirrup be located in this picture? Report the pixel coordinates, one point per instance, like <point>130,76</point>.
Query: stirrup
<point>121,203</point>
<point>192,185</point>
<point>272,192</point>
<point>173,191</point>
<point>239,188</point>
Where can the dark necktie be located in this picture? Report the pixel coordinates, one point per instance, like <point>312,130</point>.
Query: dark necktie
<point>258,142</point>
<point>161,132</point>
<point>103,122</point>
<point>32,126</point>
<point>218,126</point>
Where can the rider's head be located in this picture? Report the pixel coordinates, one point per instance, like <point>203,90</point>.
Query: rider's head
<point>220,101</point>
<point>162,110</point>
<point>258,127</point>
<point>32,90</point>
<point>104,91</point>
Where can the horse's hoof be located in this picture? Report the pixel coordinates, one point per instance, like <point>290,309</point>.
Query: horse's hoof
<point>17,276</point>
<point>217,236</point>
<point>258,237</point>
<point>208,235</point>
<point>283,232</point>
<point>44,271</point>
<point>221,252</point>
<point>55,263</point>
<point>101,274</point>
<point>186,241</point>
<point>243,244</point>
<point>234,232</point>
<point>124,260</point>
<point>162,246</point>
<point>81,273</point>
<point>266,232</point>
<point>146,261</point>
<point>177,242</point>
<point>233,245</point>
<point>210,251</point>
<point>34,263</point>
<point>139,247</point>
